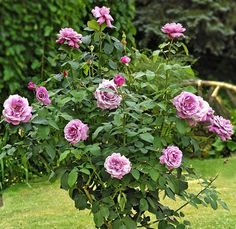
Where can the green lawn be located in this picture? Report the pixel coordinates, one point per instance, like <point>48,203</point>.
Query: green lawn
<point>46,206</point>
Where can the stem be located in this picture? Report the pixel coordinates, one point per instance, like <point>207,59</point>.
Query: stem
<point>188,202</point>
<point>198,193</point>
<point>88,195</point>
<point>100,51</point>
<point>124,123</point>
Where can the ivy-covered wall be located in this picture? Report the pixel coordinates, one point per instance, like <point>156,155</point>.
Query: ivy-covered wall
<point>211,31</point>
<point>28,32</point>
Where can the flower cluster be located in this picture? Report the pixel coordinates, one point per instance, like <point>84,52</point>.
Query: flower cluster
<point>107,95</point>
<point>103,15</point>
<point>16,110</point>
<point>125,60</point>
<point>117,165</point>
<point>76,131</point>
<point>171,157</point>
<point>195,110</point>
<point>221,127</point>
<point>192,108</point>
<point>173,30</point>
<point>70,37</point>
<point>42,95</point>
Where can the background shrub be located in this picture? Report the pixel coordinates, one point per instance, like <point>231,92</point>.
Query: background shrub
<point>211,26</point>
<point>28,33</point>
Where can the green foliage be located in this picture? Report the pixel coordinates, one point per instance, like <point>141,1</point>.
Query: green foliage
<point>143,124</point>
<point>210,29</point>
<point>28,34</point>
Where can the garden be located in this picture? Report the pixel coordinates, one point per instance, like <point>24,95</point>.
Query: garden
<point>118,116</point>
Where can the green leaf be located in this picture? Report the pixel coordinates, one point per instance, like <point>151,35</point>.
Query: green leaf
<point>223,205</point>
<point>53,124</point>
<point>64,155</point>
<point>50,151</point>
<point>72,177</point>
<point>80,201</point>
<point>135,173</point>
<point>147,137</point>
<point>93,24</point>
<point>85,171</point>
<point>162,224</point>
<point>231,145</point>
<point>40,121</point>
<point>143,205</point>
<point>122,200</point>
<point>182,126</point>
<point>108,48</point>
<point>43,132</point>
<point>112,64</point>
<point>129,223</point>
<point>97,131</point>
<point>154,174</point>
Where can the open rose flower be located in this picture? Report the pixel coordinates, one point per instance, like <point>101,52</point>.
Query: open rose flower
<point>119,80</point>
<point>125,59</point>
<point>107,95</point>
<point>76,131</point>
<point>173,30</point>
<point>70,37</point>
<point>192,108</point>
<point>31,86</point>
<point>16,110</point>
<point>117,165</point>
<point>103,15</point>
<point>42,95</point>
<point>222,127</point>
<point>171,157</point>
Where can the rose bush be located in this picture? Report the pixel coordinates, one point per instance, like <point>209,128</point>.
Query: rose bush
<point>125,138</point>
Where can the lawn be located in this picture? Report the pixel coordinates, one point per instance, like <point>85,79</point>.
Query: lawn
<point>45,205</point>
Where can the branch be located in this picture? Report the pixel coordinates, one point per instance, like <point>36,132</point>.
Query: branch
<point>210,83</point>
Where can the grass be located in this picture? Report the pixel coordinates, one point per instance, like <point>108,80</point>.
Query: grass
<point>45,205</point>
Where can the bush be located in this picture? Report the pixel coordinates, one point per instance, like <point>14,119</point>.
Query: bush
<point>28,35</point>
<point>119,153</point>
<point>211,31</point>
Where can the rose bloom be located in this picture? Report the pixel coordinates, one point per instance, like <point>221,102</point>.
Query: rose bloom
<point>173,30</point>
<point>16,110</point>
<point>221,127</point>
<point>119,80</point>
<point>107,99</point>
<point>103,15</point>
<point>42,95</point>
<point>117,165</point>
<point>31,86</point>
<point>76,131</point>
<point>171,157</point>
<point>192,108</point>
<point>125,59</point>
<point>71,37</point>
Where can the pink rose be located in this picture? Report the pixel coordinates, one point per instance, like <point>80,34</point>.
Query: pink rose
<point>70,37</point>
<point>221,127</point>
<point>125,59</point>
<point>103,15</point>
<point>107,95</point>
<point>31,86</point>
<point>173,30</point>
<point>16,110</point>
<point>42,95</point>
<point>119,80</point>
<point>171,157</point>
<point>192,108</point>
<point>76,131</point>
<point>117,165</point>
